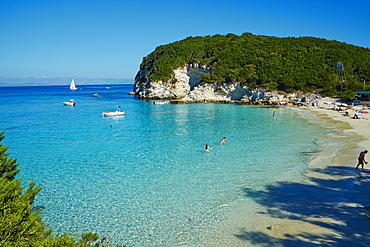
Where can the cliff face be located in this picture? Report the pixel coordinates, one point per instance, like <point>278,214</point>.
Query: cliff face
<point>186,80</point>
<point>187,88</point>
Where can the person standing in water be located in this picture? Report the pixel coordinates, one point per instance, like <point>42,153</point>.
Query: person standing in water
<point>361,160</point>
<point>223,140</point>
<point>207,148</point>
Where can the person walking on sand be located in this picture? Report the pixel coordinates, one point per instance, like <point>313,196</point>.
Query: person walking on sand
<point>207,148</point>
<point>361,160</point>
<point>223,140</point>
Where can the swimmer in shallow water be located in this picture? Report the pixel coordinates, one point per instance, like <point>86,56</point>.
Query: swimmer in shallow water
<point>223,140</point>
<point>207,148</point>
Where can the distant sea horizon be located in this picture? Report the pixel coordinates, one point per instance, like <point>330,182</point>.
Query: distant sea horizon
<point>58,81</point>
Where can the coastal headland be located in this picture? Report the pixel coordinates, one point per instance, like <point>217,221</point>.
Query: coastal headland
<point>332,206</point>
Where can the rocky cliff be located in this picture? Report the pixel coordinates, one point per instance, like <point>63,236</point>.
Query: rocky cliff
<point>186,87</point>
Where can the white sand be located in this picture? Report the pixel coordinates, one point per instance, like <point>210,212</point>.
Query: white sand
<point>332,208</point>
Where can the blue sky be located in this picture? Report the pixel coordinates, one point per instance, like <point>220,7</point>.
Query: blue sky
<point>109,38</point>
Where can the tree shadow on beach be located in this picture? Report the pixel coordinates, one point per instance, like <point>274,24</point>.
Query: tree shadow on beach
<point>338,205</point>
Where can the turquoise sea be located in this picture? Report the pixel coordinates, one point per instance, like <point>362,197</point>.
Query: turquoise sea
<point>144,179</point>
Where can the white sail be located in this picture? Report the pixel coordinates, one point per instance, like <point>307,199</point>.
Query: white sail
<point>72,86</point>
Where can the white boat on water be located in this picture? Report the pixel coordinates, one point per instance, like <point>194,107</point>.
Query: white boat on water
<point>72,86</point>
<point>161,102</point>
<point>113,113</point>
<point>70,102</point>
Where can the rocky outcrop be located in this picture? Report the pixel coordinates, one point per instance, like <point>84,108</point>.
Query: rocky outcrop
<point>185,80</point>
<point>186,87</point>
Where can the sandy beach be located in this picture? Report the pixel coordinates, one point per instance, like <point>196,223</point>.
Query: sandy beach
<point>331,208</point>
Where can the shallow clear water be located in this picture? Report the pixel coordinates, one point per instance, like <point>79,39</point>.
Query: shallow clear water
<point>144,179</point>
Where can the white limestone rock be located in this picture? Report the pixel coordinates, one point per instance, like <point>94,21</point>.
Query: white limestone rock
<point>185,86</point>
<point>185,79</point>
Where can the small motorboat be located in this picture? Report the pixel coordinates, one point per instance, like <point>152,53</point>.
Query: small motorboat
<point>70,102</point>
<point>96,95</point>
<point>113,113</point>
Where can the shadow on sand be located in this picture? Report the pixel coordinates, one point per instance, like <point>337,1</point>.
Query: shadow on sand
<point>339,205</point>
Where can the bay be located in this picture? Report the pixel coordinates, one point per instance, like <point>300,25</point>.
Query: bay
<point>144,179</point>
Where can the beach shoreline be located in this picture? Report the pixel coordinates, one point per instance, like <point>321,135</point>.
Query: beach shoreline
<point>346,217</point>
<point>330,208</point>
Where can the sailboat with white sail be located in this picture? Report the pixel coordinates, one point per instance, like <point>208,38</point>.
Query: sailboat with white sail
<point>72,86</point>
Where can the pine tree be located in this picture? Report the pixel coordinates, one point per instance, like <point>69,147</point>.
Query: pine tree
<point>18,222</point>
<point>8,166</point>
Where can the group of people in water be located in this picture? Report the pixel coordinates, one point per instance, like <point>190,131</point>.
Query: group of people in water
<point>361,156</point>
<point>207,147</point>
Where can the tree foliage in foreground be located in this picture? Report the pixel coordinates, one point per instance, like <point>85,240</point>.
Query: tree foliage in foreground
<point>287,64</point>
<point>20,224</point>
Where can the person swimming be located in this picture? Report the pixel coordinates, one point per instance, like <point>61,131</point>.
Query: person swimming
<point>223,140</point>
<point>207,148</point>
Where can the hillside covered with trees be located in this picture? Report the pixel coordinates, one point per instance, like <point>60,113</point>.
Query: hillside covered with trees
<point>288,64</point>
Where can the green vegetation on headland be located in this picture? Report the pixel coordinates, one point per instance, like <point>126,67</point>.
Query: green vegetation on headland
<point>288,64</point>
<point>20,222</point>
